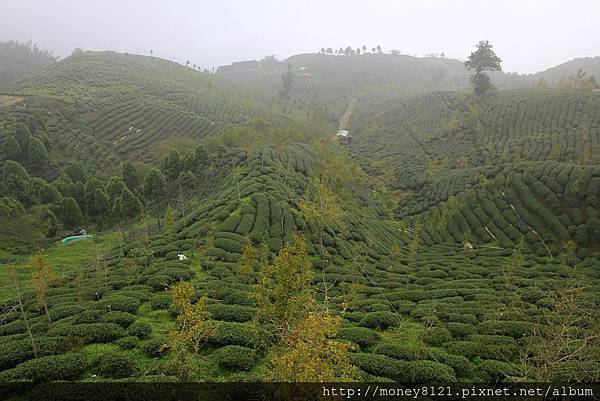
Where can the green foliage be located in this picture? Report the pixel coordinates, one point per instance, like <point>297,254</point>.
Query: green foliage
<point>430,372</point>
<point>91,332</point>
<point>235,357</point>
<point>11,148</point>
<point>361,336</point>
<point>113,365</point>
<point>437,335</point>
<point>154,186</point>
<point>139,329</point>
<point>19,58</point>
<point>155,347</point>
<point>380,320</point>
<point>69,366</point>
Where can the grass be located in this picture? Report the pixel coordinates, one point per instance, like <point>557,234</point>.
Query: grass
<point>63,259</point>
<point>7,100</point>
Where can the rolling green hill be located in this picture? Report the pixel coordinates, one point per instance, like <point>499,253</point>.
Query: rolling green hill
<point>104,107</point>
<point>456,237</point>
<point>517,163</point>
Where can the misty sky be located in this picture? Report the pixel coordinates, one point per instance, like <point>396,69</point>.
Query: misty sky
<point>528,35</point>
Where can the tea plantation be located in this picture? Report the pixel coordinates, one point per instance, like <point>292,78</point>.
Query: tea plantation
<point>455,238</point>
<point>518,164</point>
<point>440,313</point>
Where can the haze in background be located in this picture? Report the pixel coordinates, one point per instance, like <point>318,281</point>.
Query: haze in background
<point>529,35</point>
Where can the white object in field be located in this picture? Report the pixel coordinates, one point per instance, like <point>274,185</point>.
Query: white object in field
<point>182,256</point>
<point>344,133</point>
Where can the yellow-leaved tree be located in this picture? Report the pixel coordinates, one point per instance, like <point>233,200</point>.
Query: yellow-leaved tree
<point>41,278</point>
<point>194,324</point>
<point>284,293</point>
<point>320,206</point>
<point>309,353</point>
<point>305,347</point>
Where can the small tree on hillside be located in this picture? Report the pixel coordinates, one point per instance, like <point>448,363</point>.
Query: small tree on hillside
<point>483,59</point>
<point>284,294</point>
<point>41,279</point>
<point>309,353</point>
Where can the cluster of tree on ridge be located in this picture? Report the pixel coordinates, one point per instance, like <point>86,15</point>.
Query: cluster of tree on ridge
<point>350,51</point>
<point>17,59</point>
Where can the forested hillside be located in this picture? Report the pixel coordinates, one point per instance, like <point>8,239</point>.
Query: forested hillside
<point>17,60</point>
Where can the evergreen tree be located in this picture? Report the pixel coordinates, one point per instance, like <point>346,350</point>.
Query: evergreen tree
<point>201,156</point>
<point>154,186</point>
<point>96,200</point>
<point>75,171</point>
<point>11,148</point>
<point>37,153</point>
<point>171,165</point>
<point>49,194</point>
<point>115,188</point>
<point>483,59</point>
<point>130,176</point>
<point>23,136</point>
<point>169,217</point>
<point>16,180</point>
<point>127,206</point>
<point>71,212</point>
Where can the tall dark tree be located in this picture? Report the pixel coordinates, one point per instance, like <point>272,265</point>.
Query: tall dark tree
<point>171,165</point>
<point>37,153</point>
<point>11,148</point>
<point>71,212</point>
<point>127,206</point>
<point>130,176</point>
<point>16,180</point>
<point>287,79</point>
<point>154,185</point>
<point>96,199</point>
<point>483,59</point>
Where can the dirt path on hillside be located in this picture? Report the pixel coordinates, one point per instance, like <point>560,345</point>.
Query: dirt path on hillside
<point>345,118</point>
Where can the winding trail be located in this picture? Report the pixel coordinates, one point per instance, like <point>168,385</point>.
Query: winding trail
<point>345,118</point>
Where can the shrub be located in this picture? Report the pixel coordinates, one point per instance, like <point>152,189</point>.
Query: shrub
<point>15,352</point>
<point>399,351</point>
<point>113,364</point>
<point>126,343</point>
<point>68,366</point>
<point>161,301</point>
<point>89,316</point>
<point>123,319</point>
<point>468,349</point>
<point>159,281</point>
<point>461,330</point>
<point>461,365</point>
<point>155,347</point>
<point>230,333</point>
<point>139,330</point>
<point>58,312</point>
<point>493,370</point>
<point>118,303</point>
<point>437,335</point>
<point>380,365</point>
<point>231,313</point>
<point>91,332</point>
<point>382,320</point>
<point>235,357</point>
<point>430,371</point>
<point>361,336</point>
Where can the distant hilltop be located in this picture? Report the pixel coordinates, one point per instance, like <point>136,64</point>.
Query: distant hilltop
<point>269,63</point>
